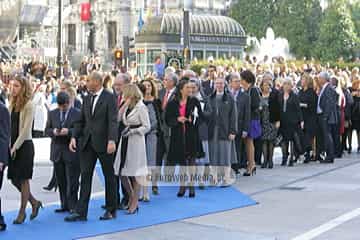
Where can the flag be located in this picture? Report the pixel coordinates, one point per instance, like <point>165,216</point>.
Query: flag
<point>85,13</point>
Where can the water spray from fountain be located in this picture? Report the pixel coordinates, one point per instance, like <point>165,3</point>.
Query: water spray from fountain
<point>270,46</point>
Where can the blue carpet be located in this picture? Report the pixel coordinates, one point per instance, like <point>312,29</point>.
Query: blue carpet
<point>163,208</point>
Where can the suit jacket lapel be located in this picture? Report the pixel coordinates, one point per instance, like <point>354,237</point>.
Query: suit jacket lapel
<point>99,103</point>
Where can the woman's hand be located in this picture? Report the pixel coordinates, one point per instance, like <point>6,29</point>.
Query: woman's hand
<point>182,119</point>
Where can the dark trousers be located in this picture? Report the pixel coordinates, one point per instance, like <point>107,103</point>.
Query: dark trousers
<point>1,181</point>
<point>240,154</point>
<point>335,133</point>
<point>258,150</point>
<point>325,138</point>
<point>88,159</point>
<point>67,174</point>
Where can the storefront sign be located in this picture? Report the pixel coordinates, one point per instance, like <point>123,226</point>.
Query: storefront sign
<point>216,39</point>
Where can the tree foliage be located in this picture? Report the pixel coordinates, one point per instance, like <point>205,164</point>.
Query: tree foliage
<point>337,32</point>
<point>310,30</point>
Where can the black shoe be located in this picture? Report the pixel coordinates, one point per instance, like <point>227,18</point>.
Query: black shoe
<point>2,224</point>
<point>103,207</point>
<point>252,173</point>
<point>191,192</point>
<point>327,161</point>
<point>36,210</point>
<point>271,164</point>
<point>155,190</point>
<point>61,210</point>
<point>75,217</point>
<point>50,188</point>
<point>284,162</point>
<point>307,158</point>
<point>349,150</point>
<point>181,192</point>
<point>20,219</point>
<point>291,163</point>
<point>108,216</point>
<point>264,165</point>
<point>201,186</point>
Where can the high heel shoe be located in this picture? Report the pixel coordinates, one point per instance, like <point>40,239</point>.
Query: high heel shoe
<point>136,210</point>
<point>181,192</point>
<point>36,210</point>
<point>20,219</point>
<point>251,173</point>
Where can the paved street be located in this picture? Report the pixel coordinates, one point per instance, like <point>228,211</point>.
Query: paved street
<point>297,203</point>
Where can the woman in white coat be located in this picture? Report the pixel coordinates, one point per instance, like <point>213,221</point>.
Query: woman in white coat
<point>41,113</point>
<point>132,150</point>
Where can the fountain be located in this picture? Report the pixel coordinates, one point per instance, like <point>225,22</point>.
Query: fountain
<point>270,46</point>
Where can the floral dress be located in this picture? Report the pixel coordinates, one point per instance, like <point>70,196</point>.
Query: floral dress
<point>269,131</point>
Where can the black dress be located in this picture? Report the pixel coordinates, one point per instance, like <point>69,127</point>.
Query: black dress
<point>310,98</point>
<point>20,168</point>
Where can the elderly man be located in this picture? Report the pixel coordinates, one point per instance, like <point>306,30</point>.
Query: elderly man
<point>98,128</point>
<point>4,149</point>
<point>120,81</point>
<point>328,117</point>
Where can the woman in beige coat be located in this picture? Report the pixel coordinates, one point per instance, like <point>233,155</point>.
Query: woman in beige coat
<point>22,148</point>
<point>132,151</point>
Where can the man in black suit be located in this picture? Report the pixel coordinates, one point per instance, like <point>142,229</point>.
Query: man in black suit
<point>242,100</point>
<point>4,150</point>
<point>60,127</point>
<point>209,86</point>
<point>98,130</point>
<point>327,116</point>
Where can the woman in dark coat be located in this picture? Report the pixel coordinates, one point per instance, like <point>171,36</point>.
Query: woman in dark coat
<point>290,119</point>
<point>185,145</point>
<point>308,102</point>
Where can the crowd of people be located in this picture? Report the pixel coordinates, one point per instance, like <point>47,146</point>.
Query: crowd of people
<point>212,124</point>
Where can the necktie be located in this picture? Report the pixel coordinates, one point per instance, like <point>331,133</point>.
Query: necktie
<point>119,101</point>
<point>93,97</point>
<point>165,100</point>
<point>62,118</point>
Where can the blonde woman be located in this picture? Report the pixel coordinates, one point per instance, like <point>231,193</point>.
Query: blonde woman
<point>131,154</point>
<point>22,148</point>
<point>68,87</point>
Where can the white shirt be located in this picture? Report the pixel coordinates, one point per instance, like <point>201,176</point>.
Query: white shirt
<point>96,99</point>
<point>170,93</point>
<point>319,110</point>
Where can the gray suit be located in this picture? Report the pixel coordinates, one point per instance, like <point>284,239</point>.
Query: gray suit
<point>66,163</point>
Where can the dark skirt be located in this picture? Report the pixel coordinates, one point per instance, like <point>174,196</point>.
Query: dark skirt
<point>21,168</point>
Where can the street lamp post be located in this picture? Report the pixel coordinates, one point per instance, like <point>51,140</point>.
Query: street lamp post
<point>59,41</point>
<point>186,30</point>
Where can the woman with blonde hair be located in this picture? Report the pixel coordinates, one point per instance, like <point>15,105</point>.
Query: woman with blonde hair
<point>22,148</point>
<point>131,155</point>
<point>308,102</point>
<point>68,87</point>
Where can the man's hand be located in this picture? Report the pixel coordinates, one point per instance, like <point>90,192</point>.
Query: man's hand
<point>56,132</point>
<point>2,166</point>
<point>72,145</point>
<point>111,147</point>
<point>277,124</point>
<point>302,125</point>
<point>64,132</point>
<point>232,137</point>
<point>244,134</point>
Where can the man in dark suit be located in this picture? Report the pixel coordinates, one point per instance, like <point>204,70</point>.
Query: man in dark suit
<point>242,100</point>
<point>166,95</point>
<point>60,127</point>
<point>209,86</point>
<point>327,116</point>
<point>98,130</point>
<point>4,150</point>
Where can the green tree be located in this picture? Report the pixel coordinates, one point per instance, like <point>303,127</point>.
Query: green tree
<point>355,14</point>
<point>255,15</point>
<point>337,32</point>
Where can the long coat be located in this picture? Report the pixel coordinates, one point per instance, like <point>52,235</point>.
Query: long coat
<point>186,144</point>
<point>4,134</point>
<point>41,114</point>
<point>136,162</point>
